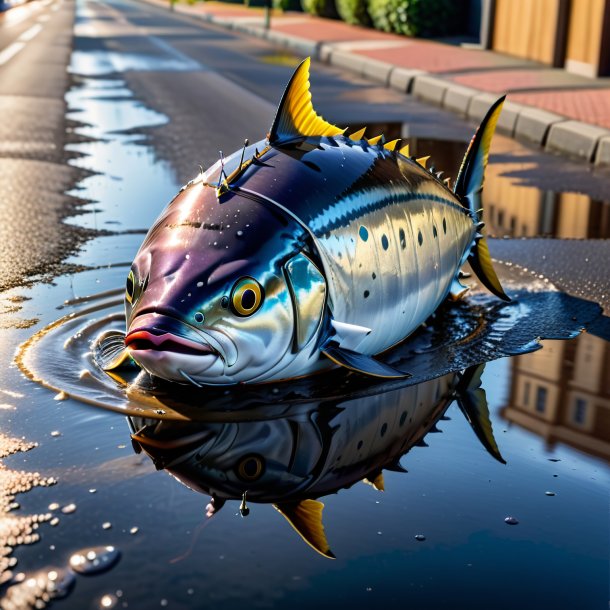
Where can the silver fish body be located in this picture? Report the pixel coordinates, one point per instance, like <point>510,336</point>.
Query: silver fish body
<point>307,248</point>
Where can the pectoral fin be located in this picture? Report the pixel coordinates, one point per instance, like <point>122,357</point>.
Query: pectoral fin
<point>361,363</point>
<point>473,403</point>
<point>349,336</point>
<point>306,518</point>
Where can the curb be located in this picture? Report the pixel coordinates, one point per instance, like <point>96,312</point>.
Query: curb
<point>553,132</point>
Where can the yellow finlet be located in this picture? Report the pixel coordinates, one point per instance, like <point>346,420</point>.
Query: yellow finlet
<point>306,518</point>
<point>296,117</point>
<point>405,151</point>
<point>392,145</point>
<point>357,135</point>
<point>423,160</point>
<point>376,482</point>
<point>375,140</point>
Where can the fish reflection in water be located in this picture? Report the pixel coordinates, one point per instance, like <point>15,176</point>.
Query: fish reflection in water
<point>290,453</point>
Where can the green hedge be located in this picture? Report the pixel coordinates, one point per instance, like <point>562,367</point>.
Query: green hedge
<point>287,5</point>
<point>354,11</point>
<point>418,17</point>
<point>322,8</point>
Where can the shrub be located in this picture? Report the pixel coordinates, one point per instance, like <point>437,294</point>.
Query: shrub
<point>322,8</point>
<point>423,18</point>
<point>287,5</point>
<point>354,11</point>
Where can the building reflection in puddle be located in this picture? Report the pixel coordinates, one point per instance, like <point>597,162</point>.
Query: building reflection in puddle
<point>562,393</point>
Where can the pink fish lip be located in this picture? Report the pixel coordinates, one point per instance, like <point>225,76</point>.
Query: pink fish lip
<point>141,339</point>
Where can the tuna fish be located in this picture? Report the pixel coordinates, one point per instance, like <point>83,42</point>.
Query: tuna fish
<point>308,248</point>
<point>290,453</point>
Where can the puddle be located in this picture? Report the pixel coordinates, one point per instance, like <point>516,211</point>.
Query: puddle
<point>106,109</point>
<point>460,335</point>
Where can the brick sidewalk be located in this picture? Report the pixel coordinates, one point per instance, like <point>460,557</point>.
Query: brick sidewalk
<point>556,109</point>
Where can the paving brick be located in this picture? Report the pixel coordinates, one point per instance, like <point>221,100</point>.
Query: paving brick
<point>481,103</point>
<point>533,124</point>
<point>348,61</point>
<point>575,138</point>
<point>430,89</point>
<point>458,98</point>
<point>401,79</point>
<point>602,156</point>
<point>300,45</point>
<point>378,71</point>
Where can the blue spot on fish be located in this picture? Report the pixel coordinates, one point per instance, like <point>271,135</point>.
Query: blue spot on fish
<point>364,234</point>
<point>384,242</point>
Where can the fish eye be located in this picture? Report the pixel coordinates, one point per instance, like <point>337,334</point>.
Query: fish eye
<point>251,468</point>
<point>130,287</point>
<point>246,296</point>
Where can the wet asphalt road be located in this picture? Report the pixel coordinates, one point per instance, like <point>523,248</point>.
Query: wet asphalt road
<point>216,88</point>
<point>36,41</point>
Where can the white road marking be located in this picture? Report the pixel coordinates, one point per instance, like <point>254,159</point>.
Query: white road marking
<point>10,51</point>
<point>29,34</point>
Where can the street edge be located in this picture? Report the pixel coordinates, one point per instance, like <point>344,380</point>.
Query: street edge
<point>553,132</point>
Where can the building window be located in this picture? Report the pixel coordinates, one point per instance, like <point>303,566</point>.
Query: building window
<point>580,411</point>
<point>540,399</point>
<point>526,393</point>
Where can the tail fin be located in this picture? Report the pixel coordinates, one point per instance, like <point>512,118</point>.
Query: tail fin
<point>468,187</point>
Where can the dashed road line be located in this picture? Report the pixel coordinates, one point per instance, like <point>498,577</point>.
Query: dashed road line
<point>31,33</point>
<point>10,52</point>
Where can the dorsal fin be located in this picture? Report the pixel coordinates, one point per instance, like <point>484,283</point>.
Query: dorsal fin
<point>376,140</point>
<point>357,135</point>
<point>306,518</point>
<point>391,145</point>
<point>296,117</point>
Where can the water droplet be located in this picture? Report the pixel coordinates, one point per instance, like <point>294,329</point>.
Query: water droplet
<point>199,284</point>
<point>68,509</point>
<point>108,601</point>
<point>53,506</point>
<point>240,233</point>
<point>549,493</point>
<point>106,525</point>
<point>92,490</point>
<point>60,396</point>
<point>94,560</point>
<point>56,433</point>
<point>133,530</point>
<point>511,521</point>
<point>54,521</point>
<point>420,537</point>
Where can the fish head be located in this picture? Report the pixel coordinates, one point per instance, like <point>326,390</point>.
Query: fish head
<point>212,295</point>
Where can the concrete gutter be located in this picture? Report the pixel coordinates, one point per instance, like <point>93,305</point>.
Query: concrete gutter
<point>553,132</point>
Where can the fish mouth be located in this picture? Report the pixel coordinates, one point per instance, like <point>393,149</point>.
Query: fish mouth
<point>173,350</point>
<point>140,340</point>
